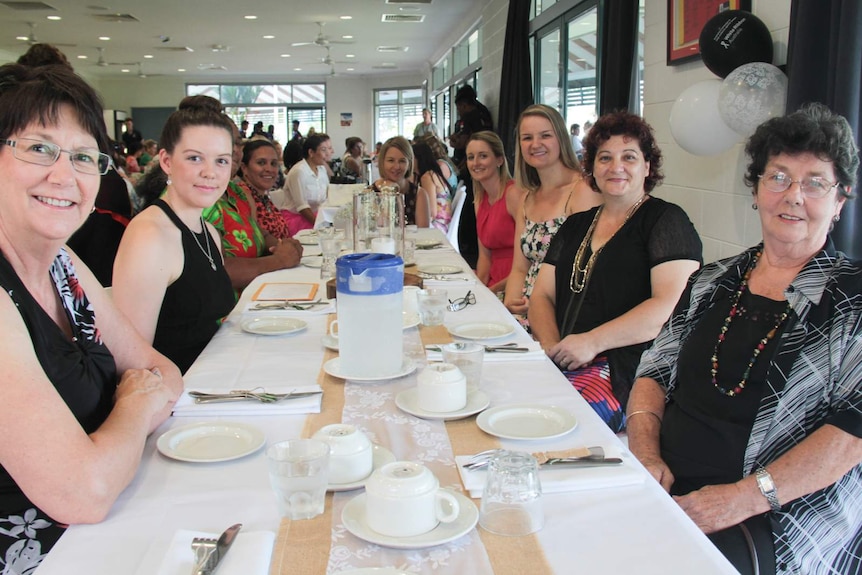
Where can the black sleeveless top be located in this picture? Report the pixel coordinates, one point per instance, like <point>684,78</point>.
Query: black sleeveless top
<point>196,302</point>
<point>82,370</point>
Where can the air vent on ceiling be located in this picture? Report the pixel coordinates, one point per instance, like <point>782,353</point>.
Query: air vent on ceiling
<point>408,1</point>
<point>392,48</point>
<point>28,6</point>
<point>413,18</point>
<point>212,67</point>
<point>385,66</point>
<point>115,18</point>
<point>175,48</point>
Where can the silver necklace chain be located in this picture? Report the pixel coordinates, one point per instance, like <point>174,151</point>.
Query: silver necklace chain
<point>208,253</point>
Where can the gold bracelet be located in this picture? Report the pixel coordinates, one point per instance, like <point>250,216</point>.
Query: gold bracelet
<point>639,411</point>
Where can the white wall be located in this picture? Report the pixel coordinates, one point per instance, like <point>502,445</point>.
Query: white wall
<point>709,188</point>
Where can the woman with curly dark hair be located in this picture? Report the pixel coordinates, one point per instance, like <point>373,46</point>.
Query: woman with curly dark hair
<point>612,274</point>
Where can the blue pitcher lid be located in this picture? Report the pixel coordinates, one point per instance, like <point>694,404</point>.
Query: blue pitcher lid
<point>369,274</point>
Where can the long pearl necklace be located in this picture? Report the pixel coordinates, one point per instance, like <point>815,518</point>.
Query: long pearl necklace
<point>734,310</point>
<point>208,253</point>
<point>581,274</point>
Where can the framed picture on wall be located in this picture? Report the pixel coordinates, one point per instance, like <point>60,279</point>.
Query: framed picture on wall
<point>685,20</point>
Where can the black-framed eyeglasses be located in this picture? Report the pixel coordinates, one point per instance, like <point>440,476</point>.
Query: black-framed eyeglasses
<point>814,187</point>
<point>462,302</point>
<point>84,161</point>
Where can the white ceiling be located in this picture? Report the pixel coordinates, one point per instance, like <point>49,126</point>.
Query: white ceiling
<point>162,28</point>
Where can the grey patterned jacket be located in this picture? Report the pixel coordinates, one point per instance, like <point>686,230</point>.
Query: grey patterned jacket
<point>814,378</point>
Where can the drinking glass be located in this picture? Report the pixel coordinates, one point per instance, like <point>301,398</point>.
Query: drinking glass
<point>468,357</point>
<point>299,475</point>
<point>432,305</point>
<point>409,255</point>
<point>330,247</point>
<point>512,498</point>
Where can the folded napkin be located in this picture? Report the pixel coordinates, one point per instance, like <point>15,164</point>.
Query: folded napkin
<point>186,406</point>
<point>450,281</point>
<point>562,479</point>
<point>536,353</point>
<point>250,554</point>
<point>249,310</point>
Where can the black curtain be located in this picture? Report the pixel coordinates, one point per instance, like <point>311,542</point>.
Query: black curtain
<point>824,64</point>
<point>516,84</point>
<point>618,42</point>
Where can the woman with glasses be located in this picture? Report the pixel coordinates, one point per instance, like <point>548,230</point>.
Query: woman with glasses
<point>81,389</point>
<point>613,273</point>
<point>169,275</point>
<point>748,405</point>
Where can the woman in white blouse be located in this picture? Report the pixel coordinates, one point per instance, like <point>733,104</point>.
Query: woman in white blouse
<point>306,183</point>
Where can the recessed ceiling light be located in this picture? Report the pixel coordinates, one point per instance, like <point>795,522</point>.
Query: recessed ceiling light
<point>346,17</point>
<point>285,55</point>
<point>350,55</point>
<point>268,37</point>
<point>124,70</point>
<point>297,69</point>
<point>22,37</point>
<point>55,18</point>
<point>181,69</point>
<point>82,57</point>
<point>148,56</point>
<point>250,17</point>
<point>104,38</point>
<point>347,37</point>
<point>350,69</point>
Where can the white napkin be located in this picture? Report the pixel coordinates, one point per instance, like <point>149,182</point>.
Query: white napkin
<point>562,479</point>
<point>536,353</point>
<point>186,406</point>
<point>451,281</point>
<point>250,554</point>
<point>249,311</point>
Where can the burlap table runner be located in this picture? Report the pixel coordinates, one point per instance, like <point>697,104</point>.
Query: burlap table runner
<point>303,547</point>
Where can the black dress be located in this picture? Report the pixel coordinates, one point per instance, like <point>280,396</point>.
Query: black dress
<point>196,302</point>
<point>83,371</point>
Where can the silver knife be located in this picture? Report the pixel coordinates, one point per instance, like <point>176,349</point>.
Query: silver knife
<point>581,462</point>
<point>222,547</point>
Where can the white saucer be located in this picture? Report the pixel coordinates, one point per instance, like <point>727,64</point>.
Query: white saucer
<point>306,237</point>
<point>312,261</point>
<point>353,517</point>
<point>408,401</point>
<point>330,342</point>
<point>273,325</point>
<point>333,368</point>
<point>526,421</point>
<point>210,442</point>
<point>410,319</point>
<point>439,270</point>
<point>380,456</point>
<point>481,330</point>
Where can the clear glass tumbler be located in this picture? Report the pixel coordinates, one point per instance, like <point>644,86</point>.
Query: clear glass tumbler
<point>432,305</point>
<point>512,498</point>
<point>299,475</point>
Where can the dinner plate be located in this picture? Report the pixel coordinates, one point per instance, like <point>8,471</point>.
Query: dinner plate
<point>408,401</point>
<point>426,244</point>
<point>273,325</point>
<point>526,421</point>
<point>306,237</point>
<point>481,330</point>
<point>312,261</point>
<point>333,368</point>
<point>210,442</point>
<point>353,517</point>
<point>439,270</point>
<point>380,456</point>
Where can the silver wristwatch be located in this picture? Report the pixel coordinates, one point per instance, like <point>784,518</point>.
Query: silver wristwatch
<point>767,488</point>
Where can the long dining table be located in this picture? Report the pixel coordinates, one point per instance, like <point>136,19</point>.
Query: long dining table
<point>597,527</point>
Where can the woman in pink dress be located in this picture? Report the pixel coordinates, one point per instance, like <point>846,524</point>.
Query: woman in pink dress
<point>496,203</point>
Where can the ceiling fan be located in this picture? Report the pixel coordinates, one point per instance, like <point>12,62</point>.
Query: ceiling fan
<point>322,39</point>
<point>328,61</point>
<point>102,63</point>
<point>141,73</point>
<point>31,38</point>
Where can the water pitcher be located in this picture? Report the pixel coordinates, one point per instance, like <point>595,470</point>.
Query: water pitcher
<point>378,221</point>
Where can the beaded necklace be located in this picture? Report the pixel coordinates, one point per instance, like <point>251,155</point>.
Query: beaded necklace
<point>734,309</point>
<point>581,274</point>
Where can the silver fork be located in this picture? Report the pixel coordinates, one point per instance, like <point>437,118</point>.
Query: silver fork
<point>263,397</point>
<point>203,548</point>
<point>483,458</point>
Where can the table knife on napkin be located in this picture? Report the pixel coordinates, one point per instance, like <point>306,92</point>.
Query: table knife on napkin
<point>224,542</point>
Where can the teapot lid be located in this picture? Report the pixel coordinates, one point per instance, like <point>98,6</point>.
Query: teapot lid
<point>401,479</point>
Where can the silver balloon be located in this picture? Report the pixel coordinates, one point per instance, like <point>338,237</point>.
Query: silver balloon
<point>750,95</point>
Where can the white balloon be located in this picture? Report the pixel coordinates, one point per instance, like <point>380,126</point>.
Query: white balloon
<point>750,95</point>
<point>696,124</point>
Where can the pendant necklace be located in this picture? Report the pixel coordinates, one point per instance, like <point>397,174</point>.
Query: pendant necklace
<point>581,273</point>
<point>759,347</point>
<point>208,252</point>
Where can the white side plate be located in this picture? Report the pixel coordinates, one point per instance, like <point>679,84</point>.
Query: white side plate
<point>425,244</point>
<point>380,456</point>
<point>333,368</point>
<point>207,442</point>
<point>408,401</point>
<point>526,421</point>
<point>438,270</point>
<point>306,237</point>
<point>353,517</point>
<point>481,330</point>
<point>312,261</point>
<point>273,325</point>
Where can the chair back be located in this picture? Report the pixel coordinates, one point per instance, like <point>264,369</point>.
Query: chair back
<point>457,208</point>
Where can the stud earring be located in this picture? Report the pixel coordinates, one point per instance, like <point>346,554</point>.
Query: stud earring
<point>168,182</point>
<point>754,206</point>
<point>836,218</point>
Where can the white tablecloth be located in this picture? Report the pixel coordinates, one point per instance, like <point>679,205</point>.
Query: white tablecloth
<point>632,529</point>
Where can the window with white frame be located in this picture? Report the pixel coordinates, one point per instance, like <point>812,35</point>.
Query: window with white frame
<point>396,112</point>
